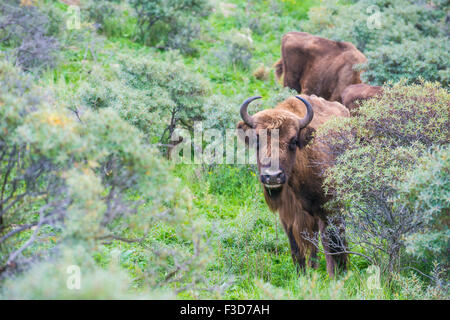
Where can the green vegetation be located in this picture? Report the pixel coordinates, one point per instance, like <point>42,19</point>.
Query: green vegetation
<point>426,191</point>
<point>86,113</point>
<point>402,39</point>
<point>376,150</point>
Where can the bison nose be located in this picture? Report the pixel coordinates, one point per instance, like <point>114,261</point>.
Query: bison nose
<point>273,178</point>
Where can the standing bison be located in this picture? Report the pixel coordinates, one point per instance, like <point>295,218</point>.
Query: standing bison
<point>294,187</point>
<point>358,92</point>
<point>315,65</point>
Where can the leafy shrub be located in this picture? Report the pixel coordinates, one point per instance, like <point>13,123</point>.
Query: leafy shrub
<point>410,59</point>
<point>236,50</point>
<point>78,180</point>
<point>426,190</point>
<point>48,280</point>
<point>220,111</point>
<point>112,17</point>
<point>182,34</point>
<point>392,47</point>
<point>258,21</point>
<point>374,150</point>
<point>411,287</point>
<point>154,95</point>
<point>158,22</point>
<point>29,34</point>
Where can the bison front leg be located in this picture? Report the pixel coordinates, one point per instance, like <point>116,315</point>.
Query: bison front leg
<point>333,242</point>
<point>313,260</point>
<point>298,257</point>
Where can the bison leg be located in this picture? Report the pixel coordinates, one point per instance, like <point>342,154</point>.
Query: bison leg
<point>334,247</point>
<point>297,255</point>
<point>313,260</point>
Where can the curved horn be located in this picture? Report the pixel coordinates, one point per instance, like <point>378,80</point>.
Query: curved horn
<point>244,113</point>
<point>309,113</point>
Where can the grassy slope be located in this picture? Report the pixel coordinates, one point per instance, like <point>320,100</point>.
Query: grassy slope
<point>249,248</point>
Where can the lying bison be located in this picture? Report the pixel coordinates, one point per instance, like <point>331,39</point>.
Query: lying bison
<point>358,92</point>
<point>294,187</point>
<point>315,65</point>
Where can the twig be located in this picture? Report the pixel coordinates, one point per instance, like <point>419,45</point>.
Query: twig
<point>30,241</point>
<point>408,267</point>
<point>17,230</point>
<point>335,253</point>
<point>114,237</point>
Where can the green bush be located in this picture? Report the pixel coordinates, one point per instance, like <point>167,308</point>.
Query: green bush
<point>374,150</point>
<point>427,58</point>
<point>158,22</point>
<point>154,95</point>
<point>48,280</point>
<point>220,111</point>
<point>426,190</point>
<point>112,17</point>
<point>236,50</point>
<point>77,180</point>
<point>29,35</point>
<point>410,39</point>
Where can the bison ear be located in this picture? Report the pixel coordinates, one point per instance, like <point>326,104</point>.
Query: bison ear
<point>305,136</point>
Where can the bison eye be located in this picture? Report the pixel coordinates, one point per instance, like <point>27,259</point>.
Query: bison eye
<point>293,144</point>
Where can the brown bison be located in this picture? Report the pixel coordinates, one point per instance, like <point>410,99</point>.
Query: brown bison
<point>358,92</point>
<point>315,65</point>
<point>294,187</point>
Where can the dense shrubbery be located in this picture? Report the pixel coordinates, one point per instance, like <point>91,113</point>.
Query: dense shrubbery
<point>379,148</point>
<point>426,191</point>
<point>169,23</point>
<point>153,94</point>
<point>73,177</point>
<point>411,60</point>
<point>401,39</point>
<point>375,150</point>
<point>29,35</point>
<point>236,50</point>
<point>112,17</point>
<point>71,182</point>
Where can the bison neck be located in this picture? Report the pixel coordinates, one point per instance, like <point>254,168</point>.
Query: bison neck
<point>303,191</point>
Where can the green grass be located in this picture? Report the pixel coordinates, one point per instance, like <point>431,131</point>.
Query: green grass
<point>249,250</point>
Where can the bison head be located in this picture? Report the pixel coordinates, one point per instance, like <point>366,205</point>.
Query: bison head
<point>278,134</point>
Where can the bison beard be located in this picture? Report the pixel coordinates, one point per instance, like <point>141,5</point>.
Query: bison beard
<point>315,65</point>
<point>299,201</point>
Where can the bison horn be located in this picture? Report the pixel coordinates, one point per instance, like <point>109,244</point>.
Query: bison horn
<point>244,113</point>
<point>309,113</point>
